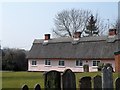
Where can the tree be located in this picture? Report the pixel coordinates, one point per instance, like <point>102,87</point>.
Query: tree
<point>68,22</point>
<point>91,27</point>
<point>14,59</point>
<point>116,25</point>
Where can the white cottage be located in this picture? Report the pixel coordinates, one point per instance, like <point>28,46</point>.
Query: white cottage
<point>72,53</point>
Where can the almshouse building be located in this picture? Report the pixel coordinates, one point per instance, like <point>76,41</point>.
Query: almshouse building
<point>73,53</point>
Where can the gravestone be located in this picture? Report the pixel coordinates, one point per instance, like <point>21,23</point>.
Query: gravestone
<point>68,80</point>
<point>97,82</point>
<point>37,87</point>
<point>107,78</point>
<point>25,87</point>
<point>52,80</point>
<point>85,83</point>
<point>117,83</point>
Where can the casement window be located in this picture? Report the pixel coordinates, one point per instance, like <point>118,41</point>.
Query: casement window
<point>79,63</point>
<point>61,63</point>
<point>34,62</point>
<point>47,62</point>
<point>96,62</point>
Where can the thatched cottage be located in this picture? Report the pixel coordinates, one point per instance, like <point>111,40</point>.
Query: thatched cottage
<point>73,53</point>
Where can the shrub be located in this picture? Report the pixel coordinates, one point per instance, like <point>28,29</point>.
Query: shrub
<point>86,68</point>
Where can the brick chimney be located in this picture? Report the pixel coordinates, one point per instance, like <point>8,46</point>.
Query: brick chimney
<point>112,32</point>
<point>77,35</point>
<point>117,61</point>
<point>47,36</point>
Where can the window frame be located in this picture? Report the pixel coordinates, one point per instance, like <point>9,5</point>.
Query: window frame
<point>47,62</point>
<point>61,63</point>
<point>34,63</point>
<point>95,63</point>
<point>79,63</point>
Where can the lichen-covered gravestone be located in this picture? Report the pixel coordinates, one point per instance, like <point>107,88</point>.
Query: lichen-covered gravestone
<point>52,80</point>
<point>107,78</point>
<point>117,84</point>
<point>85,83</point>
<point>97,82</point>
<point>37,87</point>
<point>25,87</point>
<point>68,80</point>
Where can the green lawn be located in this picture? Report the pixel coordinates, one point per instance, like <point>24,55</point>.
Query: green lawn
<point>17,79</point>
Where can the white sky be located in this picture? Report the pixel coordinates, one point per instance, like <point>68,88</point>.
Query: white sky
<point>21,22</point>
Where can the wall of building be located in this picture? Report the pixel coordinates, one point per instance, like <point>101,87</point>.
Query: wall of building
<point>69,64</point>
<point>117,62</point>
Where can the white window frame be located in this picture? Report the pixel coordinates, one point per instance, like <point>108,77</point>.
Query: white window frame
<point>61,63</point>
<point>47,62</point>
<point>96,63</point>
<point>79,63</point>
<point>34,63</point>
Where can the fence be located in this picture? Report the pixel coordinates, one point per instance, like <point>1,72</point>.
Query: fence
<point>67,81</point>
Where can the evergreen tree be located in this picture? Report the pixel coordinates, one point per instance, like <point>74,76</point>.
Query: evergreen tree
<point>91,27</point>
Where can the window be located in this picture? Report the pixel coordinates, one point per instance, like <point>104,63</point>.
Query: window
<point>61,63</point>
<point>47,62</point>
<point>79,63</point>
<point>34,62</point>
<point>96,63</point>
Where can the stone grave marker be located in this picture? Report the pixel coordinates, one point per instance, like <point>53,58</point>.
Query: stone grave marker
<point>97,82</point>
<point>68,80</point>
<point>52,80</point>
<point>85,83</point>
<point>107,78</point>
<point>117,83</point>
<point>25,87</point>
<point>37,87</point>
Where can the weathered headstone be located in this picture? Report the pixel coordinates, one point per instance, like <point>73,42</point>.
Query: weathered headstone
<point>85,83</point>
<point>37,87</point>
<point>117,84</point>
<point>68,80</point>
<point>52,80</point>
<point>97,82</point>
<point>107,78</point>
<point>25,87</point>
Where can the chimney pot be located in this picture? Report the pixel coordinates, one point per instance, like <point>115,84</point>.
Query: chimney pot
<point>112,32</point>
<point>47,36</point>
<point>77,35</point>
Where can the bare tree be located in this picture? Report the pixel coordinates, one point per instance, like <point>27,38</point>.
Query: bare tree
<point>102,27</point>
<point>116,25</point>
<point>68,22</point>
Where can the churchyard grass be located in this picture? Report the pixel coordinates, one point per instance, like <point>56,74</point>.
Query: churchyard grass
<point>17,79</point>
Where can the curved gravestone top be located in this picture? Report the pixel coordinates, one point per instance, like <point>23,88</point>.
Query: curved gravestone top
<point>52,80</point>
<point>37,87</point>
<point>85,83</point>
<point>117,83</point>
<point>68,80</point>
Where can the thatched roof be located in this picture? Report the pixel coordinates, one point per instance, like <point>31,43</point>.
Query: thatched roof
<point>84,48</point>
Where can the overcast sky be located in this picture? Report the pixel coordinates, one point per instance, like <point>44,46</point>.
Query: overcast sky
<point>22,22</point>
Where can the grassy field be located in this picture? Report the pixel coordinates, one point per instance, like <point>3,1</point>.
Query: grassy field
<point>17,79</point>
